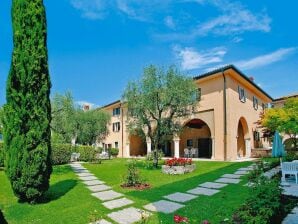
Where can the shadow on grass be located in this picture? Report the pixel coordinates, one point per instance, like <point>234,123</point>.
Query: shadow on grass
<point>2,219</point>
<point>58,190</point>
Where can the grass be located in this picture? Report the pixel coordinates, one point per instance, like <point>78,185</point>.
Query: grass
<point>69,201</point>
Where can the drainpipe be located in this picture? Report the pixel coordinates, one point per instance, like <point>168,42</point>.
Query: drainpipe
<point>225,114</point>
<point>122,130</point>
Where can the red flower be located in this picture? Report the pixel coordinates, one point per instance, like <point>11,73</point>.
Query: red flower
<point>178,162</point>
<point>180,219</point>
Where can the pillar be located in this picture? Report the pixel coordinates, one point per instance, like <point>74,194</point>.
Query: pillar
<point>213,147</point>
<point>148,141</point>
<point>127,150</point>
<point>176,147</point>
<point>247,148</point>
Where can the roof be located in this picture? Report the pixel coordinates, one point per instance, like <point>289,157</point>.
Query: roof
<point>227,67</point>
<point>117,101</point>
<point>287,96</point>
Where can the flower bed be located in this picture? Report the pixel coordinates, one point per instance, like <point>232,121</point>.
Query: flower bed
<point>178,166</point>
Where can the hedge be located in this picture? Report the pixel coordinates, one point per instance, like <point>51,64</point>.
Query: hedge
<point>87,153</point>
<point>61,153</point>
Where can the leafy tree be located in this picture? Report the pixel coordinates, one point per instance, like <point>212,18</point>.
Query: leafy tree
<point>1,119</point>
<point>92,126</point>
<point>27,116</point>
<point>157,101</point>
<point>284,119</point>
<point>64,124</point>
<point>71,122</point>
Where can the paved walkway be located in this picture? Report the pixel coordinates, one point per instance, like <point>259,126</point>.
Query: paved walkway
<point>109,198</point>
<point>176,200</point>
<point>123,214</point>
<point>291,188</point>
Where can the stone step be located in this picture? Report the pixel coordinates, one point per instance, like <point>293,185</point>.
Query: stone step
<point>107,195</point>
<point>128,215</point>
<point>180,197</point>
<point>117,203</point>
<point>100,187</point>
<point>203,191</point>
<point>228,180</point>
<point>93,182</point>
<point>212,185</point>
<point>163,206</point>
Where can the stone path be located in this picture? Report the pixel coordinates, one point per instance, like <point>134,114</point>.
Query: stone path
<point>291,188</point>
<point>291,218</point>
<point>174,201</point>
<point>171,203</point>
<point>109,198</point>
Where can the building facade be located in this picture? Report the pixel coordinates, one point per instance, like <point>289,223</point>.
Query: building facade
<point>222,127</point>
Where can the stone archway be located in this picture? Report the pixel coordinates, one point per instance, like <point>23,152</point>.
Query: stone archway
<point>196,135</point>
<point>243,140</point>
<point>137,146</point>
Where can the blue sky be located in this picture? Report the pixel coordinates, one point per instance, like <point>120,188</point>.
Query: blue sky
<point>96,46</point>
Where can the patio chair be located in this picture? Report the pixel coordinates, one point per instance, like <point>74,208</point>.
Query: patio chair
<point>193,152</point>
<point>290,168</point>
<point>186,152</point>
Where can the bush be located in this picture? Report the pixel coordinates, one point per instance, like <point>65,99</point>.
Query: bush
<point>133,177</point>
<point>87,153</point>
<point>61,153</point>
<point>263,202</point>
<point>291,156</point>
<point>114,152</point>
<point>1,154</point>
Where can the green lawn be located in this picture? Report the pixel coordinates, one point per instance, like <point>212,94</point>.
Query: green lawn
<point>69,201</point>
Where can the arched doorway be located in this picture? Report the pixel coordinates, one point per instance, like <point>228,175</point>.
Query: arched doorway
<point>196,135</point>
<point>242,138</point>
<point>137,146</point>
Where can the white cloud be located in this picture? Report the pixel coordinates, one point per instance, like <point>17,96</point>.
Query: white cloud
<point>169,22</point>
<point>190,58</point>
<point>90,9</point>
<point>266,59</point>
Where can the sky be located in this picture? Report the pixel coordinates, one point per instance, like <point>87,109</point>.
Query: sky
<point>96,46</point>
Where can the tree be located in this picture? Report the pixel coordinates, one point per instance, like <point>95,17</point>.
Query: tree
<point>71,122</point>
<point>27,116</point>
<point>157,101</point>
<point>64,119</point>
<point>1,119</point>
<point>92,126</point>
<point>284,119</point>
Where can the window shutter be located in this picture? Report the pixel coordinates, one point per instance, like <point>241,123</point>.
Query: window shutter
<point>239,92</point>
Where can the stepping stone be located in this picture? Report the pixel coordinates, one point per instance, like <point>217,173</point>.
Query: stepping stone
<point>180,197</point>
<point>212,185</point>
<point>102,221</point>
<point>241,172</point>
<point>231,176</point>
<point>246,169</point>
<point>228,180</point>
<point>81,171</point>
<point>163,206</point>
<point>121,202</point>
<point>203,191</point>
<point>127,215</point>
<point>107,195</point>
<point>84,174</point>
<point>100,187</point>
<point>88,178</point>
<point>93,182</point>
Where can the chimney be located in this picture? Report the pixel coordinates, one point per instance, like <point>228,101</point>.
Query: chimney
<point>251,78</point>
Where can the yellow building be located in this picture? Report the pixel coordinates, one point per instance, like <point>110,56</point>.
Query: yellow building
<point>222,127</point>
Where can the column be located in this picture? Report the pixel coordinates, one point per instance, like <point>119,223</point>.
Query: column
<point>247,148</point>
<point>148,141</point>
<point>213,147</point>
<point>127,150</point>
<point>176,146</point>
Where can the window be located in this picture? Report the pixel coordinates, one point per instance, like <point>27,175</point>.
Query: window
<point>116,126</point>
<point>256,136</point>
<point>116,111</point>
<point>116,145</point>
<point>255,102</point>
<point>189,143</point>
<point>264,106</point>
<point>242,94</point>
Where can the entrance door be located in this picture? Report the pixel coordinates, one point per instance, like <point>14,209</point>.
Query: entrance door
<point>205,147</point>
<point>166,148</point>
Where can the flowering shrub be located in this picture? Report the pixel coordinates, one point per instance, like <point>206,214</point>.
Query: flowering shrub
<point>178,162</point>
<point>180,219</point>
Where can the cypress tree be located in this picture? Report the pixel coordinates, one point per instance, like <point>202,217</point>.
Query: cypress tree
<point>28,110</point>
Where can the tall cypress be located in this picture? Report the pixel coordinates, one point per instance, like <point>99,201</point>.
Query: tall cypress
<point>28,109</point>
